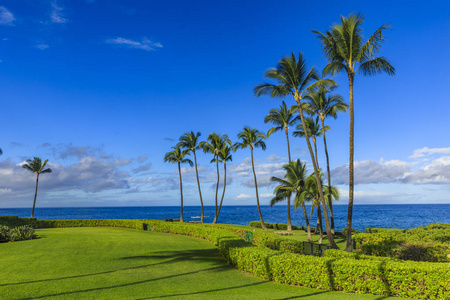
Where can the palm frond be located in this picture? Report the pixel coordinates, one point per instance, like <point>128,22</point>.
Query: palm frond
<point>376,66</point>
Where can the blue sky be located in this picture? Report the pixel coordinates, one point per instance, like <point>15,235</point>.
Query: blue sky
<point>103,89</point>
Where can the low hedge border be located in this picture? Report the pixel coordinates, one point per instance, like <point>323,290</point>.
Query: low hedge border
<point>337,272</point>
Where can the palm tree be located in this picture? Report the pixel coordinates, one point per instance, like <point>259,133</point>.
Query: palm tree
<point>323,105</point>
<point>1,152</point>
<point>36,166</point>
<point>189,141</point>
<point>282,118</point>
<point>310,192</point>
<point>345,51</point>
<point>293,78</point>
<point>178,156</point>
<point>253,138</point>
<point>213,144</point>
<point>224,156</point>
<point>292,185</point>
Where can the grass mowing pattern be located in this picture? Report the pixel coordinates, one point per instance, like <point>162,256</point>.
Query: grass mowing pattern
<point>112,263</point>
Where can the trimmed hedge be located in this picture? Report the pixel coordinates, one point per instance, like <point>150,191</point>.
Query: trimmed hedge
<point>430,243</point>
<point>276,226</point>
<point>15,221</point>
<point>336,271</point>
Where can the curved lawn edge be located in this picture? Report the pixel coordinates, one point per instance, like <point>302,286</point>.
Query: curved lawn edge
<point>418,280</point>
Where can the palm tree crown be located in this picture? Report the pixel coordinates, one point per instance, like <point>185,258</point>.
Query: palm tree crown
<point>344,48</point>
<point>177,156</point>
<point>323,105</point>
<point>36,166</point>
<point>189,141</point>
<point>252,138</point>
<point>292,184</point>
<point>282,118</point>
<point>313,128</point>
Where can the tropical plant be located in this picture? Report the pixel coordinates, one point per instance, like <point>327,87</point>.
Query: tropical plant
<point>282,118</point>
<point>345,50</point>
<point>178,156</point>
<point>292,185</point>
<point>310,192</point>
<point>190,142</point>
<point>213,144</point>
<point>313,130</point>
<point>323,105</point>
<point>224,156</point>
<point>293,78</point>
<point>253,138</point>
<point>36,166</point>
<point>1,152</point>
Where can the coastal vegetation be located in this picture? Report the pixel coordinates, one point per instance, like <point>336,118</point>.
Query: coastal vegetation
<point>36,166</point>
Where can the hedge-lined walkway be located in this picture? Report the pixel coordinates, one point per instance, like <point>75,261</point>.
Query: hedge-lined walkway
<point>113,263</point>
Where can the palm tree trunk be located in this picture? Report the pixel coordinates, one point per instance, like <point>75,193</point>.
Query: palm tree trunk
<point>289,223</point>
<point>257,197</point>
<point>315,151</point>
<point>217,184</point>
<point>181,192</point>
<point>224,186</point>
<point>35,195</point>
<point>330,204</point>
<point>308,228</point>
<point>349,245</point>
<point>198,183</point>
<point>316,173</point>
<point>319,220</point>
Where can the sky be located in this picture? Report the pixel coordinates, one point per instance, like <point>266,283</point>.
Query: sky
<point>103,89</point>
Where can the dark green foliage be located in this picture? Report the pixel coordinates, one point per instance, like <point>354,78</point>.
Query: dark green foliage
<point>14,221</point>
<point>430,243</point>
<point>135,224</point>
<point>277,226</point>
<point>13,234</point>
<point>354,231</point>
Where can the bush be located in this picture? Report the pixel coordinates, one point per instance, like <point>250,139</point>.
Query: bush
<point>8,234</point>
<point>15,221</point>
<point>354,231</point>
<point>276,226</point>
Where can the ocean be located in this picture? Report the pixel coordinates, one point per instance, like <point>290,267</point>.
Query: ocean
<point>364,216</point>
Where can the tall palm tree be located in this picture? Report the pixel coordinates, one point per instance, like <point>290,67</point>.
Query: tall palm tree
<point>310,192</point>
<point>282,118</point>
<point>314,131</point>
<point>178,156</point>
<point>36,166</point>
<point>213,144</point>
<point>1,152</point>
<point>224,156</point>
<point>253,138</point>
<point>190,142</point>
<point>292,185</point>
<point>293,78</point>
<point>345,50</point>
<point>323,105</point>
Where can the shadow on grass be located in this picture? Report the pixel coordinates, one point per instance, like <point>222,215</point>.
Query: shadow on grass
<point>307,295</point>
<point>172,256</point>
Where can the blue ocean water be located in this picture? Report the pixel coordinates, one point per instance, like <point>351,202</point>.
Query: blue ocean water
<point>364,216</point>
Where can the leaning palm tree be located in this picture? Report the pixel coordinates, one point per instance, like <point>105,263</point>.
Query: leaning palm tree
<point>313,130</point>
<point>345,50</point>
<point>224,156</point>
<point>178,156</point>
<point>292,185</point>
<point>36,166</point>
<point>282,118</point>
<point>293,78</point>
<point>311,193</point>
<point>189,142</point>
<point>213,144</point>
<point>253,138</point>
<point>323,105</point>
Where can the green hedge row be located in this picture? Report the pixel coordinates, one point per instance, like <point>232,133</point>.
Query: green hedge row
<point>19,233</point>
<point>15,221</point>
<point>335,271</point>
<point>430,243</point>
<point>276,226</point>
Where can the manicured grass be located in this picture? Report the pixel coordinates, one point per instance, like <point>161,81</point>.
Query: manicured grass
<point>113,263</point>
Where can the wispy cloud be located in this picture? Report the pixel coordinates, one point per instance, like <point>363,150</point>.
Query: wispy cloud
<point>42,46</point>
<point>429,151</point>
<point>6,17</point>
<point>56,14</point>
<point>144,43</point>
<point>242,197</point>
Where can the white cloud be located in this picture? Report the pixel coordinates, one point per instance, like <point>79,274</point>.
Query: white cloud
<point>6,17</point>
<point>56,14</point>
<point>436,172</point>
<point>429,151</point>
<point>274,158</point>
<point>42,46</point>
<point>144,44</point>
<point>265,196</point>
<point>242,197</point>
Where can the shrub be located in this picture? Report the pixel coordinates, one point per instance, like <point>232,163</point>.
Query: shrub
<point>276,226</point>
<point>8,234</point>
<point>15,221</point>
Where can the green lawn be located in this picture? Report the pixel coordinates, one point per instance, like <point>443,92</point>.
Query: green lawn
<point>113,263</point>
